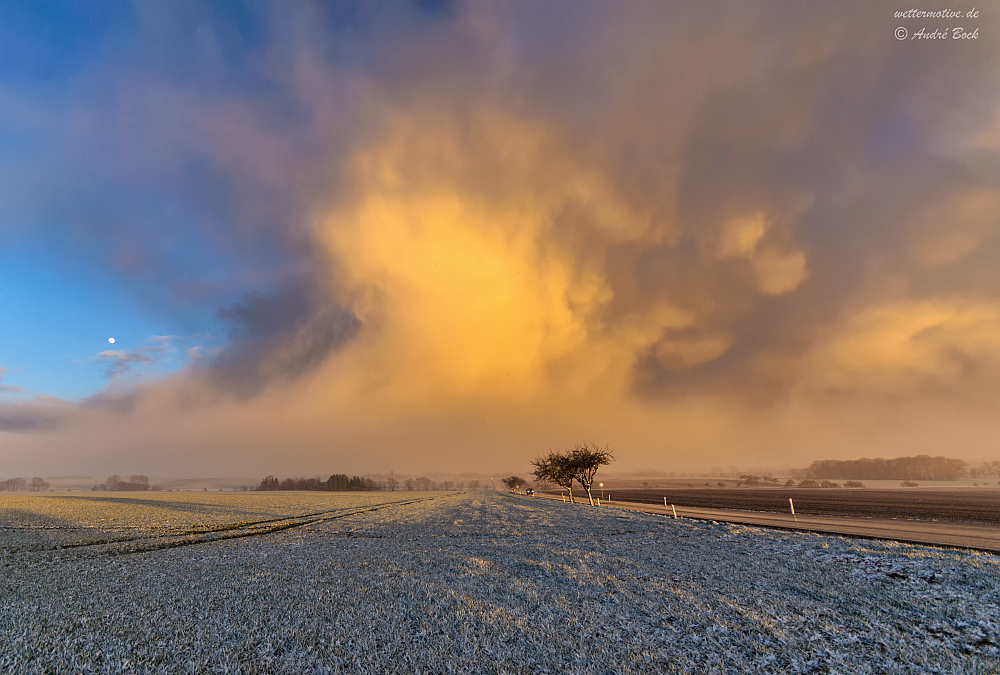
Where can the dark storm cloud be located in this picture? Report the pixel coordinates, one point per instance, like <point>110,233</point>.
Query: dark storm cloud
<point>810,114</point>
<point>36,415</point>
<point>279,337</point>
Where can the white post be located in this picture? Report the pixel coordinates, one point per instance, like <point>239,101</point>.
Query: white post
<point>564,498</point>
<point>792,505</point>
<point>674,510</point>
<point>598,501</point>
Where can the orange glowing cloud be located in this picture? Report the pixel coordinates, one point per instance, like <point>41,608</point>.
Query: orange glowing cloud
<point>449,261</point>
<point>695,233</point>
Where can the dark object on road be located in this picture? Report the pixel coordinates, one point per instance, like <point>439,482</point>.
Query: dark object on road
<point>529,492</point>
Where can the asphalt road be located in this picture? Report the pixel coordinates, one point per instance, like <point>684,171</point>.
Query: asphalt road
<point>976,536</point>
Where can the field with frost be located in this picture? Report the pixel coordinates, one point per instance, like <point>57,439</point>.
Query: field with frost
<point>477,583</point>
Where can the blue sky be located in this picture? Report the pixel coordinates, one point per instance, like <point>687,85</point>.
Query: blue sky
<point>121,212</point>
<point>95,244</point>
<point>64,319</point>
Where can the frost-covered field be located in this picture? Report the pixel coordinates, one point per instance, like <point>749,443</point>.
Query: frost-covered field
<point>493,583</point>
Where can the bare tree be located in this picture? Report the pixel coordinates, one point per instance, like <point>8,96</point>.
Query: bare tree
<point>473,484</point>
<point>392,484</point>
<point>513,482</point>
<point>13,484</point>
<point>39,485</point>
<point>555,468</point>
<point>585,460</point>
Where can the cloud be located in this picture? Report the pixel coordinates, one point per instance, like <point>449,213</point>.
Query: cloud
<point>279,338</point>
<point>9,388</point>
<point>40,414</point>
<point>120,362</point>
<point>685,352</point>
<point>133,362</point>
<point>695,232</point>
<point>909,347</point>
<point>956,226</point>
<point>775,272</point>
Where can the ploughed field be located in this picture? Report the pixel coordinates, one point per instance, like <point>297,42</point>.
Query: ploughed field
<point>981,505</point>
<point>467,583</point>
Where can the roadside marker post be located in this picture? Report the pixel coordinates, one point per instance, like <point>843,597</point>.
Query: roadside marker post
<point>792,505</point>
<point>598,501</point>
<point>674,510</point>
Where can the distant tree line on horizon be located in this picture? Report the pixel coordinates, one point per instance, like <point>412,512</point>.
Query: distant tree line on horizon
<point>36,484</point>
<point>920,467</point>
<point>339,482</point>
<point>135,483</point>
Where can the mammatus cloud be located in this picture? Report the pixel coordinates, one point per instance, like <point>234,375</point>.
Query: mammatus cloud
<point>775,271</point>
<point>697,233</point>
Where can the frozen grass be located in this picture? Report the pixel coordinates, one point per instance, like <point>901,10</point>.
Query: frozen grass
<point>52,521</point>
<point>484,582</point>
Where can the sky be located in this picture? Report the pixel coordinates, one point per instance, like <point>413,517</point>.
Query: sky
<point>421,236</point>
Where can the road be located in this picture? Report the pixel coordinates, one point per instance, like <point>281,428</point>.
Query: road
<point>974,536</point>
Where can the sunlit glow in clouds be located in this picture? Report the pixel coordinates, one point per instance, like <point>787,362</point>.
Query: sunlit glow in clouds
<point>699,234</point>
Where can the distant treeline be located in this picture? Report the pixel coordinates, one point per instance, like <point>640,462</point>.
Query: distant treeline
<point>136,483</point>
<point>921,467</point>
<point>335,483</point>
<point>36,484</point>
<point>114,484</point>
<point>339,482</point>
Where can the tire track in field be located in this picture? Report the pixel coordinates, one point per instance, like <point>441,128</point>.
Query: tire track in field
<point>195,536</point>
<point>293,523</point>
<point>198,530</point>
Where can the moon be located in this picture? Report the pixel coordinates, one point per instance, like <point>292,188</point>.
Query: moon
<point>111,340</point>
